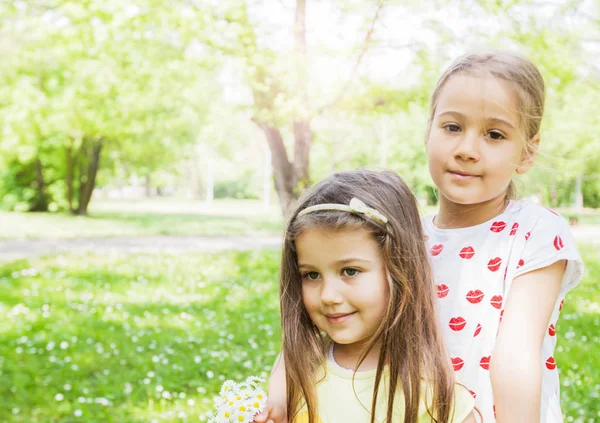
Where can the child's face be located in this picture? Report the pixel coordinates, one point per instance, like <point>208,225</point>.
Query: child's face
<point>476,142</point>
<point>344,283</point>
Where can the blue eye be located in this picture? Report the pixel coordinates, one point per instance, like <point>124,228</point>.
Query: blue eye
<point>350,272</point>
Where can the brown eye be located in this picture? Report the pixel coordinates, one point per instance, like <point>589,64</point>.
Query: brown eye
<point>452,127</point>
<point>495,135</point>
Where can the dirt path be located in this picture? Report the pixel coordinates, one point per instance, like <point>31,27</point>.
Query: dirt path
<point>19,249</point>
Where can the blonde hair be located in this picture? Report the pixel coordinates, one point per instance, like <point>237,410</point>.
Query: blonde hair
<point>411,345</point>
<point>520,72</point>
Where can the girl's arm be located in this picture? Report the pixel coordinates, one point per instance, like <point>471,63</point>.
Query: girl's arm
<point>516,363</point>
<point>276,408</point>
<point>470,418</point>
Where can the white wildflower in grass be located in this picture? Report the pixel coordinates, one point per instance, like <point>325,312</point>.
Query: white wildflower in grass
<point>239,402</point>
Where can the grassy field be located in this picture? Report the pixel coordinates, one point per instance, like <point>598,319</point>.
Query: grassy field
<point>147,338</point>
<point>161,216</point>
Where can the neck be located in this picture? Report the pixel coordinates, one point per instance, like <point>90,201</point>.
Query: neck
<point>348,355</point>
<point>452,215</point>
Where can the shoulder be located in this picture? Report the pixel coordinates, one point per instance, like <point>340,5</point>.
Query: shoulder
<point>524,210</point>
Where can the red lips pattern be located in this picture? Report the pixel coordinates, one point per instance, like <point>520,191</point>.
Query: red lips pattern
<point>457,324</point>
<point>442,290</point>
<point>436,249</point>
<point>475,296</point>
<point>494,264</point>
<point>467,253</point>
<point>498,227</point>
<point>496,301</point>
<point>457,363</point>
<point>479,285</point>
<point>558,243</point>
<point>484,363</point>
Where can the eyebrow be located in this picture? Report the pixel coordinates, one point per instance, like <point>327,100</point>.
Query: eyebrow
<point>340,262</point>
<point>491,119</point>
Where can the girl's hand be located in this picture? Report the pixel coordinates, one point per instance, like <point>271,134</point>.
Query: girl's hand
<point>273,413</point>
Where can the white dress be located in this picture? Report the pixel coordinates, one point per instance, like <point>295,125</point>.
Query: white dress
<point>474,268</point>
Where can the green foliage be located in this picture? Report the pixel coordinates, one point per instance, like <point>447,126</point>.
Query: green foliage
<point>124,77</point>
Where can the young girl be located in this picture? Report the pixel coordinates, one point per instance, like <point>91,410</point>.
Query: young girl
<point>502,267</point>
<point>360,336</point>
<point>495,260</point>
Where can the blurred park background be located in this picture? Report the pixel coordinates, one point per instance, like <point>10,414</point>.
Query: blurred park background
<point>145,126</point>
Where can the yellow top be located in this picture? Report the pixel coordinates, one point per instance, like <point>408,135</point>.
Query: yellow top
<point>338,402</point>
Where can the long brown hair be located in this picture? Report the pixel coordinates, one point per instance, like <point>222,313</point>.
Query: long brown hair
<point>519,71</point>
<point>411,346</point>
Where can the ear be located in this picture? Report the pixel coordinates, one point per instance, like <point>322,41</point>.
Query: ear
<point>529,155</point>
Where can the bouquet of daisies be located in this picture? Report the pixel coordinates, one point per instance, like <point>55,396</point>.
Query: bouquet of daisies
<point>239,402</point>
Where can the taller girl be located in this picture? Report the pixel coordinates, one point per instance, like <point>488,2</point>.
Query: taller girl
<point>502,267</point>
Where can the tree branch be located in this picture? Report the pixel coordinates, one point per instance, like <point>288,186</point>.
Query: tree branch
<point>357,63</point>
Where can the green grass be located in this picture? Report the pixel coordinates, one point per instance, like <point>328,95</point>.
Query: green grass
<point>147,217</point>
<point>132,339</point>
<point>150,338</point>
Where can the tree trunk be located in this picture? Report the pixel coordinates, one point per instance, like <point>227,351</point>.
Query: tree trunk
<point>282,169</point>
<point>88,172</point>
<point>302,133</point>
<point>69,175</point>
<point>42,198</point>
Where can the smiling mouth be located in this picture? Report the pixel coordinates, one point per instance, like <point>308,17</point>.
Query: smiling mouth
<point>338,318</point>
<point>463,174</point>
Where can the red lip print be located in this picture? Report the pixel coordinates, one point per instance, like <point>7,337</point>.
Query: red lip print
<point>552,330</point>
<point>496,301</point>
<point>561,305</point>
<point>467,253</point>
<point>558,243</point>
<point>514,228</point>
<point>457,363</point>
<point>442,290</point>
<point>473,394</point>
<point>426,237</point>
<point>521,263</point>
<point>436,249</point>
<point>475,296</point>
<point>484,363</point>
<point>494,264</point>
<point>527,235</point>
<point>477,330</point>
<point>498,227</point>
<point>550,363</point>
<point>457,324</point>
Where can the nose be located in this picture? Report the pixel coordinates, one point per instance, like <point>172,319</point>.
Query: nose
<point>468,146</point>
<point>331,291</point>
